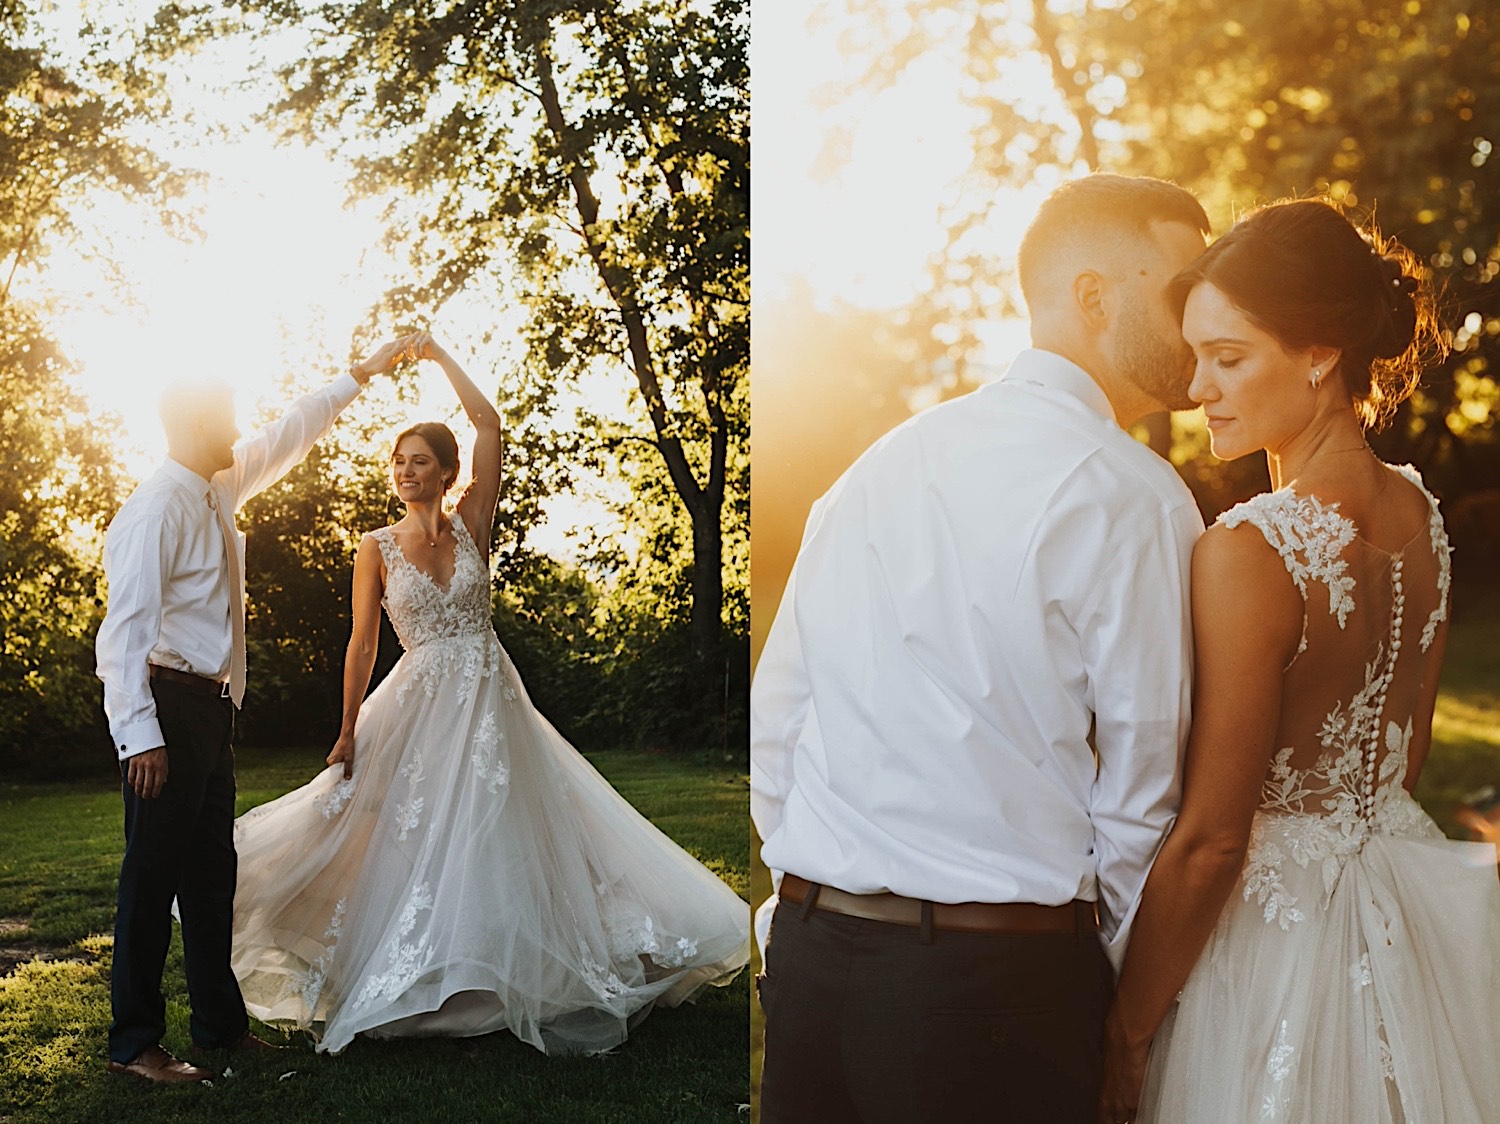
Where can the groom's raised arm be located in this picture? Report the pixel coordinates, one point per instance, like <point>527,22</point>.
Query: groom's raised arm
<point>272,451</point>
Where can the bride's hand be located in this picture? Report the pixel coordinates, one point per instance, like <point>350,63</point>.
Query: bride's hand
<point>421,345</point>
<point>343,751</point>
<point>1124,1074</point>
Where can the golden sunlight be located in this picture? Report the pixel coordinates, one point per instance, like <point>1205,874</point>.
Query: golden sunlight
<point>270,282</point>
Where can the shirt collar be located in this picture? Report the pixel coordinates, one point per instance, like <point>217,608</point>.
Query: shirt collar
<point>185,477</point>
<point>1048,369</point>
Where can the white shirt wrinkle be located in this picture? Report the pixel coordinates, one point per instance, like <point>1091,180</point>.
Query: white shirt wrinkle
<point>988,581</point>
<point>176,613</point>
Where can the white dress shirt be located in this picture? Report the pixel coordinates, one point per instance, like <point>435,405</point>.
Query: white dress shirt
<point>164,561</point>
<point>994,591</point>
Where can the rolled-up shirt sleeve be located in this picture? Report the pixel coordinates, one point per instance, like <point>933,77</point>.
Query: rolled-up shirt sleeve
<point>272,451</point>
<point>1137,648</point>
<point>135,567</point>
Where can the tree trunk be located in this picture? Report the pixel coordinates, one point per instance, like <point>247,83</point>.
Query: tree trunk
<point>704,504</point>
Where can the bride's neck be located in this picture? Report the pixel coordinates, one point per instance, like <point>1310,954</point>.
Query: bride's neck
<point>1330,437</point>
<point>427,516</point>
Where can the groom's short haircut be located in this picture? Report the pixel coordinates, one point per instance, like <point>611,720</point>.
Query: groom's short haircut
<point>183,404</point>
<point>1096,216</point>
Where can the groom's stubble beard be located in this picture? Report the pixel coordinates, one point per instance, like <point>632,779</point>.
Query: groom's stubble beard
<point>1153,356</point>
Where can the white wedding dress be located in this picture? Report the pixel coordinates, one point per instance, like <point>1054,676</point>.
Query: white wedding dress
<point>475,873</point>
<point>1352,978</point>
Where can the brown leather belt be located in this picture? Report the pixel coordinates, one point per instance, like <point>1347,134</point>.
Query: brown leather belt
<point>200,683</point>
<point>965,917</point>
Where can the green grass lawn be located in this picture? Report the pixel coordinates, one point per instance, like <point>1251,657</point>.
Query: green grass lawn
<point>1465,746</point>
<point>59,856</point>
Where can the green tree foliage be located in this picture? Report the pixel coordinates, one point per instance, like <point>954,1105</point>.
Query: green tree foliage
<point>593,158</point>
<point>301,536</point>
<point>1385,105</point>
<point>60,486</point>
<point>62,131</point>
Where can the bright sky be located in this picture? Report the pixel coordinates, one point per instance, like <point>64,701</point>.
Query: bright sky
<point>282,277</point>
<point>862,229</point>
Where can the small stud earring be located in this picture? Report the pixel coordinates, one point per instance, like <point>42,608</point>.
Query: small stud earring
<point>1316,378</point>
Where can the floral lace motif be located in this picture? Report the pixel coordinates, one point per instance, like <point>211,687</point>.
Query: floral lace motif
<point>309,984</point>
<point>1310,539</point>
<point>487,766</point>
<point>409,812</point>
<point>1441,551</point>
<point>332,802</point>
<point>408,960</point>
<point>446,632</point>
<point>640,938</point>
<point>1279,1065</point>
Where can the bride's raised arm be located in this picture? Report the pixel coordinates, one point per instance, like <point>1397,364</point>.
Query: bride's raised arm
<point>476,507</point>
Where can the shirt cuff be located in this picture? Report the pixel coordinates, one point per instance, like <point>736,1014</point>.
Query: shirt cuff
<point>346,388</point>
<point>138,737</point>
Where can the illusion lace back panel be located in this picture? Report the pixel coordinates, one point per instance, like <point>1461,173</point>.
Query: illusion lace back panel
<point>1351,692</point>
<point>1351,978</point>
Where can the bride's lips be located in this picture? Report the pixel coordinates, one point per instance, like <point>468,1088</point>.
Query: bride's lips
<point>1217,423</point>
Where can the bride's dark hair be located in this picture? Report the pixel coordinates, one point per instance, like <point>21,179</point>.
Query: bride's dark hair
<point>1305,272</point>
<point>440,440</point>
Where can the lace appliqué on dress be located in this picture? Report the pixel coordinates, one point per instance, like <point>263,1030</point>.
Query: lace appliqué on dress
<point>332,802</point>
<point>446,632</point>
<point>1279,1065</point>
<point>1438,538</point>
<point>641,939</point>
<point>407,960</point>
<point>309,984</point>
<point>487,766</point>
<point>1310,539</point>
<point>409,811</point>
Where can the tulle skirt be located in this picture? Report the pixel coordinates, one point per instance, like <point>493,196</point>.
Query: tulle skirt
<point>1354,988</point>
<point>476,873</point>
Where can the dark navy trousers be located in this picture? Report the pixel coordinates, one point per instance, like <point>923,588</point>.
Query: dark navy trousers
<point>179,845</point>
<point>869,1022</point>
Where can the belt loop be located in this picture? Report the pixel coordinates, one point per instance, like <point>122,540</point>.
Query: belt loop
<point>1086,919</point>
<point>926,921</point>
<point>809,900</point>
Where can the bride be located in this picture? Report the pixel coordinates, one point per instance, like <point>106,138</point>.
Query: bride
<point>1351,976</point>
<point>460,868</point>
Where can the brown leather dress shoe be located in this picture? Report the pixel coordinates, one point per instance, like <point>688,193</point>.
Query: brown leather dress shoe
<point>155,1064</point>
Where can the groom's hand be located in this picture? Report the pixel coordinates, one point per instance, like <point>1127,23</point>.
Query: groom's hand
<point>146,773</point>
<point>382,359</point>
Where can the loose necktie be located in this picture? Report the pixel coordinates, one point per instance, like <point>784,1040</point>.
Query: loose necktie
<point>236,606</point>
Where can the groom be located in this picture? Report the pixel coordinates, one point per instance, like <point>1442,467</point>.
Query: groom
<point>171,653</point>
<point>968,717</point>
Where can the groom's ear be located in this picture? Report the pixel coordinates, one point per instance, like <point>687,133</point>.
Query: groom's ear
<point>1089,300</point>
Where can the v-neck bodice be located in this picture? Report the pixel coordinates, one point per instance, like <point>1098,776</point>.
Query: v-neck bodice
<point>422,610</point>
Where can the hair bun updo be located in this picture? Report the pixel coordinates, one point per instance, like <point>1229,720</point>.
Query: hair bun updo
<point>1310,276</point>
<point>1396,318</point>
